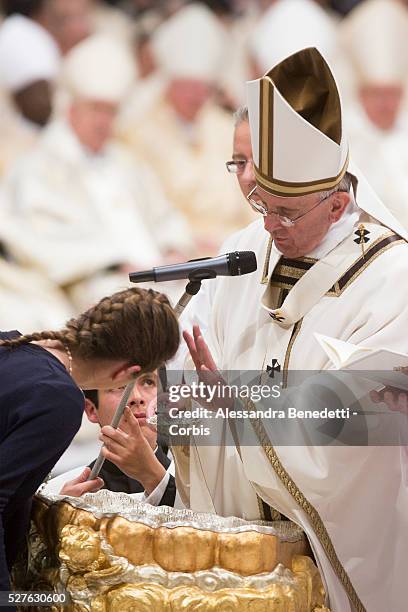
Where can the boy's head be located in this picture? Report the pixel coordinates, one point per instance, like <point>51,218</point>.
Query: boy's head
<point>100,406</point>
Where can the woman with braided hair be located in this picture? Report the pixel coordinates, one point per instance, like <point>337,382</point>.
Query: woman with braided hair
<point>41,402</point>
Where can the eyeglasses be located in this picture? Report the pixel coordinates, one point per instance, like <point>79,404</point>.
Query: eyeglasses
<point>260,207</point>
<point>237,166</point>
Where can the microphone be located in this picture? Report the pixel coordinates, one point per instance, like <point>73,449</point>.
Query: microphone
<point>230,264</point>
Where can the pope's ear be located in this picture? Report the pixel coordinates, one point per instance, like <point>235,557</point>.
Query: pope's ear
<point>91,411</point>
<point>341,199</point>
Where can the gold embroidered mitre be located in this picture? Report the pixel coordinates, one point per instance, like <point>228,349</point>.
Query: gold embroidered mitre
<point>295,118</point>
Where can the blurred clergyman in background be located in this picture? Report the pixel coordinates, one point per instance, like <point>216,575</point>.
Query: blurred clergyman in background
<point>375,35</point>
<point>82,211</point>
<point>184,135</point>
<point>29,64</point>
<point>287,27</point>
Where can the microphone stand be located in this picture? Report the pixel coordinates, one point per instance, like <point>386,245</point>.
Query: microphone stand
<point>192,288</point>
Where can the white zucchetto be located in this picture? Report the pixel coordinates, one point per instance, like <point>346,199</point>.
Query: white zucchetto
<point>99,68</point>
<point>28,53</point>
<point>190,44</point>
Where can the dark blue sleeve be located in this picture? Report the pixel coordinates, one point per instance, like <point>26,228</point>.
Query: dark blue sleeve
<point>39,429</point>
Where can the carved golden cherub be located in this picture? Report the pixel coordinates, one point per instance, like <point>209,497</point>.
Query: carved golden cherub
<point>81,549</point>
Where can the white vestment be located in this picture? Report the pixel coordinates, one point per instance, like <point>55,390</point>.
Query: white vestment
<point>73,215</point>
<point>17,134</point>
<point>358,492</point>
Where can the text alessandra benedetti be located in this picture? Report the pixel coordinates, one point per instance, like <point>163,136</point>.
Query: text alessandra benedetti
<point>288,413</point>
<point>267,413</point>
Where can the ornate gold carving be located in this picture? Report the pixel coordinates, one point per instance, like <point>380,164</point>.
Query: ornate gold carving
<point>81,549</point>
<point>129,539</point>
<point>247,553</point>
<point>161,559</point>
<point>184,549</point>
<point>190,599</point>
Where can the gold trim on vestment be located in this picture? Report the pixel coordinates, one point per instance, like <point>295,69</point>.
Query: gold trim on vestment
<point>282,285</point>
<point>265,272</point>
<point>313,515</point>
<point>275,515</point>
<point>295,333</point>
<point>336,291</point>
<point>289,273</point>
<point>260,505</point>
<point>293,273</point>
<point>289,189</point>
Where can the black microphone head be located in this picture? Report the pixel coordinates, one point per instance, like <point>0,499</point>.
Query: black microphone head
<point>242,262</point>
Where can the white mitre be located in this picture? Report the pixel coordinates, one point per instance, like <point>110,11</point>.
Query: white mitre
<point>298,142</point>
<point>296,127</point>
<point>375,37</point>
<point>288,26</point>
<point>190,44</point>
<point>99,68</point>
<point>28,53</point>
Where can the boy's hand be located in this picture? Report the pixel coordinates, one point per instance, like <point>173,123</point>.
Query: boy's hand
<point>129,450</point>
<point>80,485</point>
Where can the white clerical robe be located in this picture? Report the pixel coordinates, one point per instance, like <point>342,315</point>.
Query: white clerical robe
<point>351,501</point>
<point>190,161</point>
<point>383,157</point>
<point>17,134</point>
<point>73,215</point>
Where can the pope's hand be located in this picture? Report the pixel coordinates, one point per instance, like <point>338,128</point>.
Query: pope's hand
<point>199,351</point>
<point>129,450</point>
<point>207,369</point>
<point>81,485</point>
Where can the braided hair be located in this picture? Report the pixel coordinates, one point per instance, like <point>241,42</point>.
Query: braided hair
<point>135,325</point>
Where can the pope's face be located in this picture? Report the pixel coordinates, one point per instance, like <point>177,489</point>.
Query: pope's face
<point>144,392</point>
<point>307,233</point>
<point>382,104</point>
<point>242,151</point>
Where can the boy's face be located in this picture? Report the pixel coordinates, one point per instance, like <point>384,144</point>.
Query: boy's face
<point>144,391</point>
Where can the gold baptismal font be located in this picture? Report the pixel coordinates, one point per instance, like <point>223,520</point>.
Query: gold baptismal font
<point>111,553</point>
